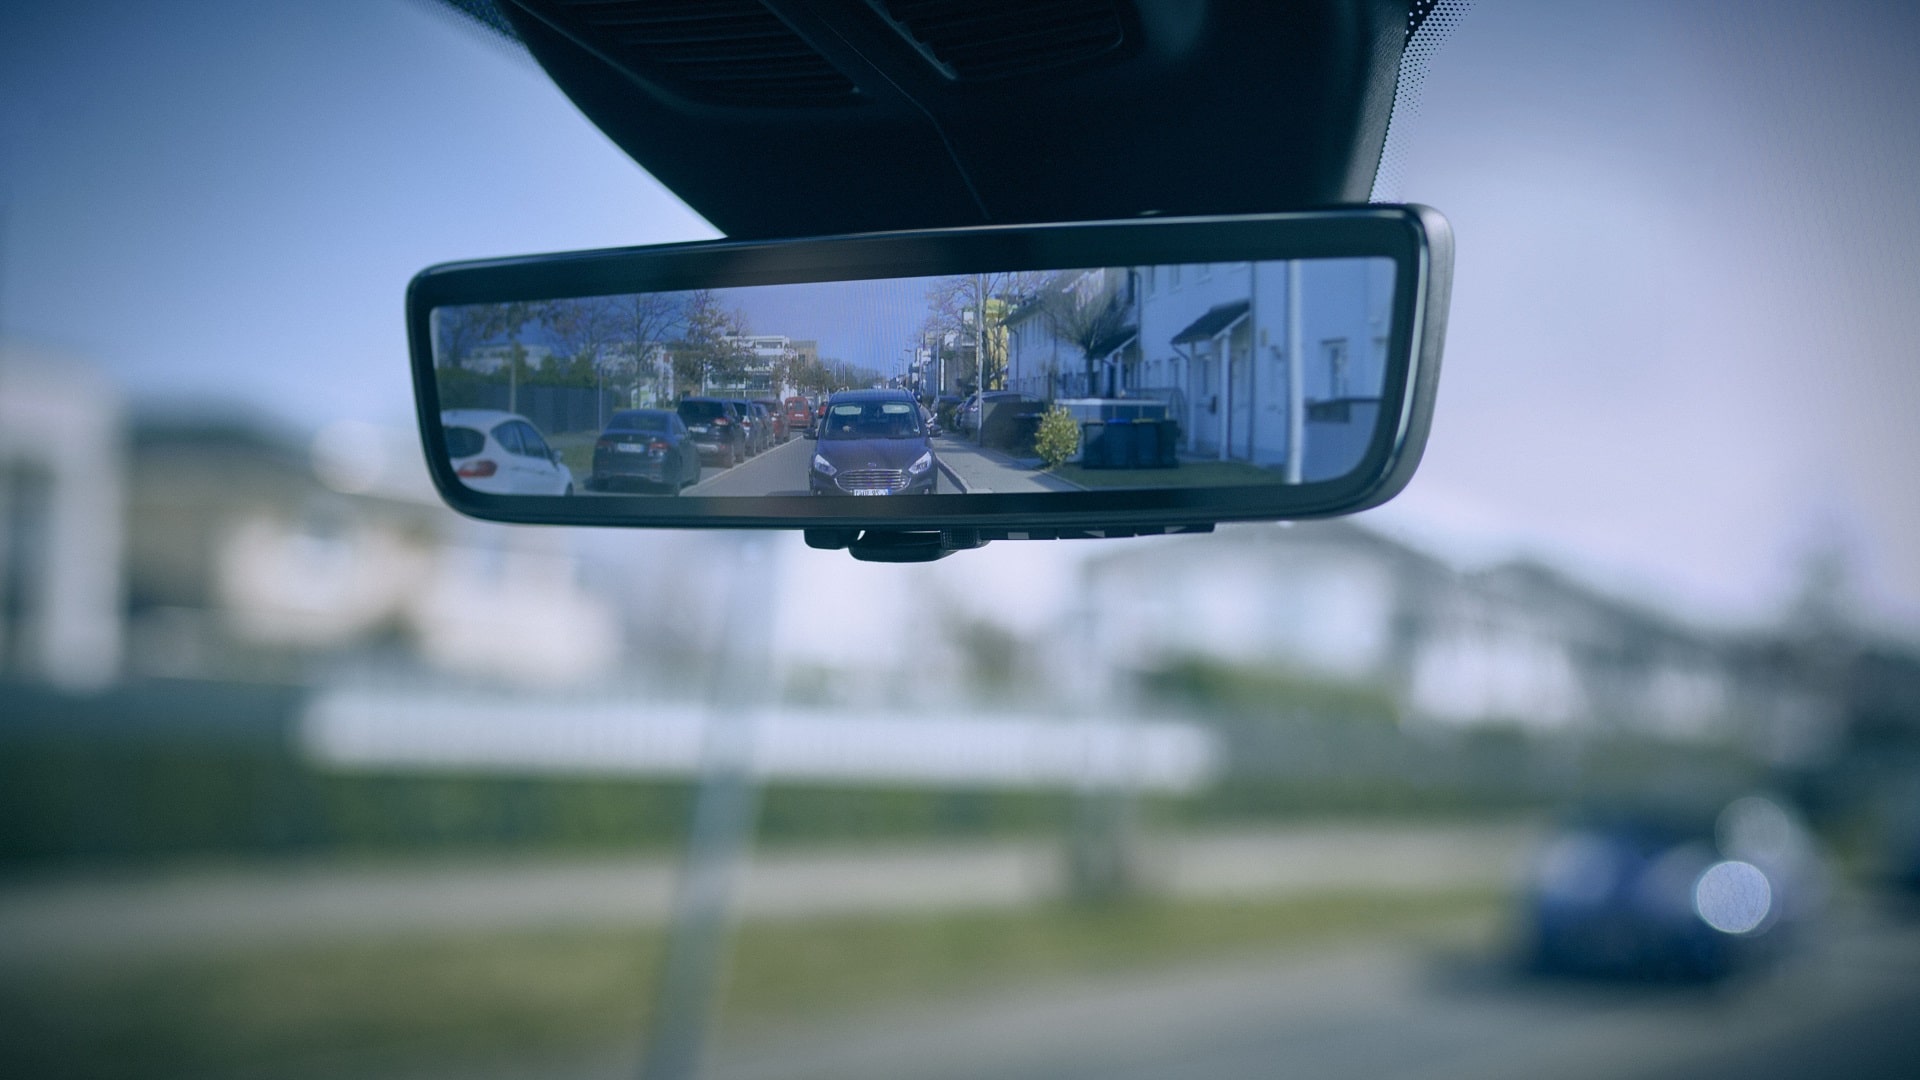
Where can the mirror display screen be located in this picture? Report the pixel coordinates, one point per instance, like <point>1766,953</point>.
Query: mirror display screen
<point>1194,375</point>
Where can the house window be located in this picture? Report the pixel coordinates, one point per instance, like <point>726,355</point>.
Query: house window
<point>1335,351</point>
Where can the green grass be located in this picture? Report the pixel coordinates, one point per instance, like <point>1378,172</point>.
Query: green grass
<point>576,451</point>
<point>1187,474</point>
<point>347,1008</point>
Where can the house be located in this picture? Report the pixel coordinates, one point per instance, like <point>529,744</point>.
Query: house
<point>1214,341</point>
<point>1043,364</point>
<point>62,521</point>
<point>1518,644</point>
<point>487,359</point>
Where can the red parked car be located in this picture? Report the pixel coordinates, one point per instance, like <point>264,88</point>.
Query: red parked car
<point>799,414</point>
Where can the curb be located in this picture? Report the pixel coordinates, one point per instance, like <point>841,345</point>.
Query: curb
<point>952,477</point>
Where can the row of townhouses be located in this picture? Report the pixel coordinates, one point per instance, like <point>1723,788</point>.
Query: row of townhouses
<point>1241,354</point>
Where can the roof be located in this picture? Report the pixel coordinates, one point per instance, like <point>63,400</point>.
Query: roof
<point>681,87</point>
<point>1217,318</point>
<point>1111,343</point>
<point>477,416</point>
<point>1025,311</point>
<point>889,394</point>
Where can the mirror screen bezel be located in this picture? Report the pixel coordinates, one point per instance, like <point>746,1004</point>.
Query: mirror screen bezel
<point>1416,238</point>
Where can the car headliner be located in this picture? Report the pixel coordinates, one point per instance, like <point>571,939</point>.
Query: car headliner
<point>888,115</point>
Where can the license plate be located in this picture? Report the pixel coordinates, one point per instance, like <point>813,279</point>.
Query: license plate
<point>630,448</point>
<point>870,491</point>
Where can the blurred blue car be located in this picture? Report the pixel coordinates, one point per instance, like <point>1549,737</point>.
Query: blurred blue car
<point>1639,894</point>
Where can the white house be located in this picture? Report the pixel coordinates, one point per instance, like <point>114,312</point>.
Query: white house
<point>1516,644</point>
<point>1215,341</point>
<point>62,521</point>
<point>487,359</point>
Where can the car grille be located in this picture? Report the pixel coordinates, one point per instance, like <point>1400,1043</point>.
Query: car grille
<point>871,479</point>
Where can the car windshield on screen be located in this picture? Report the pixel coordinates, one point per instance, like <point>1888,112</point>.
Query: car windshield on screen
<point>873,420</point>
<point>639,421</point>
<point>700,410</point>
<point>464,442</point>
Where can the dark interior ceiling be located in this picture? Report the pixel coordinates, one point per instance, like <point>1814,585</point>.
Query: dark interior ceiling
<point>782,118</point>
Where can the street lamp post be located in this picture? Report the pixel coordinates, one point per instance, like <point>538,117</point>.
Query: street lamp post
<point>980,356</point>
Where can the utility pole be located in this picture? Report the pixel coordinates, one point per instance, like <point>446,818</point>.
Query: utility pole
<point>721,835</point>
<point>1296,378</point>
<point>980,355</point>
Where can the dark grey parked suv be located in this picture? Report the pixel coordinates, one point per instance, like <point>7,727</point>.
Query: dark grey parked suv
<point>717,428</point>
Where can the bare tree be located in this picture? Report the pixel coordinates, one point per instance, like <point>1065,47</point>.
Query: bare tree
<point>585,328</point>
<point>460,330</point>
<point>710,348</point>
<point>643,323</point>
<point>955,304</point>
<point>1085,309</point>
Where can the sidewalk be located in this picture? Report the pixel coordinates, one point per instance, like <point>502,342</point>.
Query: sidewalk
<point>188,909</point>
<point>976,470</point>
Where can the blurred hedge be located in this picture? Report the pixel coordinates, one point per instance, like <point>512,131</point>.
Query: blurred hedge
<point>167,770</point>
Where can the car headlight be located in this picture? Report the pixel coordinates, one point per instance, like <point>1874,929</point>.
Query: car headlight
<point>920,466</point>
<point>822,465</point>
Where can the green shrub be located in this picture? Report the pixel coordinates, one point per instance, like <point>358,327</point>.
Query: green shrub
<point>1058,438</point>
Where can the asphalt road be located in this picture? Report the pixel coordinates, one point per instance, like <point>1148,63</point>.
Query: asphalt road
<point>1443,1007</point>
<point>1844,1009</point>
<point>779,471</point>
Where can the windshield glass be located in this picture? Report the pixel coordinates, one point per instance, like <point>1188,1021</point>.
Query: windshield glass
<point>464,441</point>
<point>872,420</point>
<point>304,774</point>
<point>643,420</point>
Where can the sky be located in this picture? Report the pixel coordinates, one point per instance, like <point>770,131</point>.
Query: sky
<point>1679,357</point>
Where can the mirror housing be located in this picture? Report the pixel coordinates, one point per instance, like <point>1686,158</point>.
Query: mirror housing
<point>1242,355</point>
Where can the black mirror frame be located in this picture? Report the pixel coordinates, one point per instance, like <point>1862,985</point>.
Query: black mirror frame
<point>1417,238</point>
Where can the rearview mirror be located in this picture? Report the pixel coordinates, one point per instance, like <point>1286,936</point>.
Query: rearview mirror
<point>1113,378</point>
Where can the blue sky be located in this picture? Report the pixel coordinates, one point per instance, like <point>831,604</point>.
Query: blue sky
<point>1679,354</point>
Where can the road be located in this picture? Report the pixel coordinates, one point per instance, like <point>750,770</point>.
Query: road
<point>1844,1009</point>
<point>962,469</point>
<point>779,471</point>
<point>1436,1004</point>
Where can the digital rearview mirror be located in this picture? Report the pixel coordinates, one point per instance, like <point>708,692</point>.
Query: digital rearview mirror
<point>1108,378</point>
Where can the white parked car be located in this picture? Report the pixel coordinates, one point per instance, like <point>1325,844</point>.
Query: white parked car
<point>502,453</point>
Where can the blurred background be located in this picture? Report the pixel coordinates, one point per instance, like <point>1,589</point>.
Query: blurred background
<point>1597,752</point>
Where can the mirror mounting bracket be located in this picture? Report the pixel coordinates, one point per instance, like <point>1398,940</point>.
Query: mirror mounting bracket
<point>903,546</point>
<point>895,546</point>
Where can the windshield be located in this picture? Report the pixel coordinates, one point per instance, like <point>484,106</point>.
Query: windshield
<point>872,420</point>
<point>464,441</point>
<point>304,774</point>
<point>641,421</point>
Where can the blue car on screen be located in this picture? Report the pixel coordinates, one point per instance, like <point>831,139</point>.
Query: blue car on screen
<point>872,442</point>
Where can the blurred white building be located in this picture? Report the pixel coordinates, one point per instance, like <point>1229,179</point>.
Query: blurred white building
<point>61,520</point>
<point>1517,644</point>
<point>229,550</point>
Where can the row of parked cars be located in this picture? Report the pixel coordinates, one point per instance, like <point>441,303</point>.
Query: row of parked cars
<point>660,449</point>
<point>678,441</point>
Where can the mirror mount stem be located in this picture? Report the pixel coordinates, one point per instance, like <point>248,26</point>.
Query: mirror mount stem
<point>901,546</point>
<point>891,546</point>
